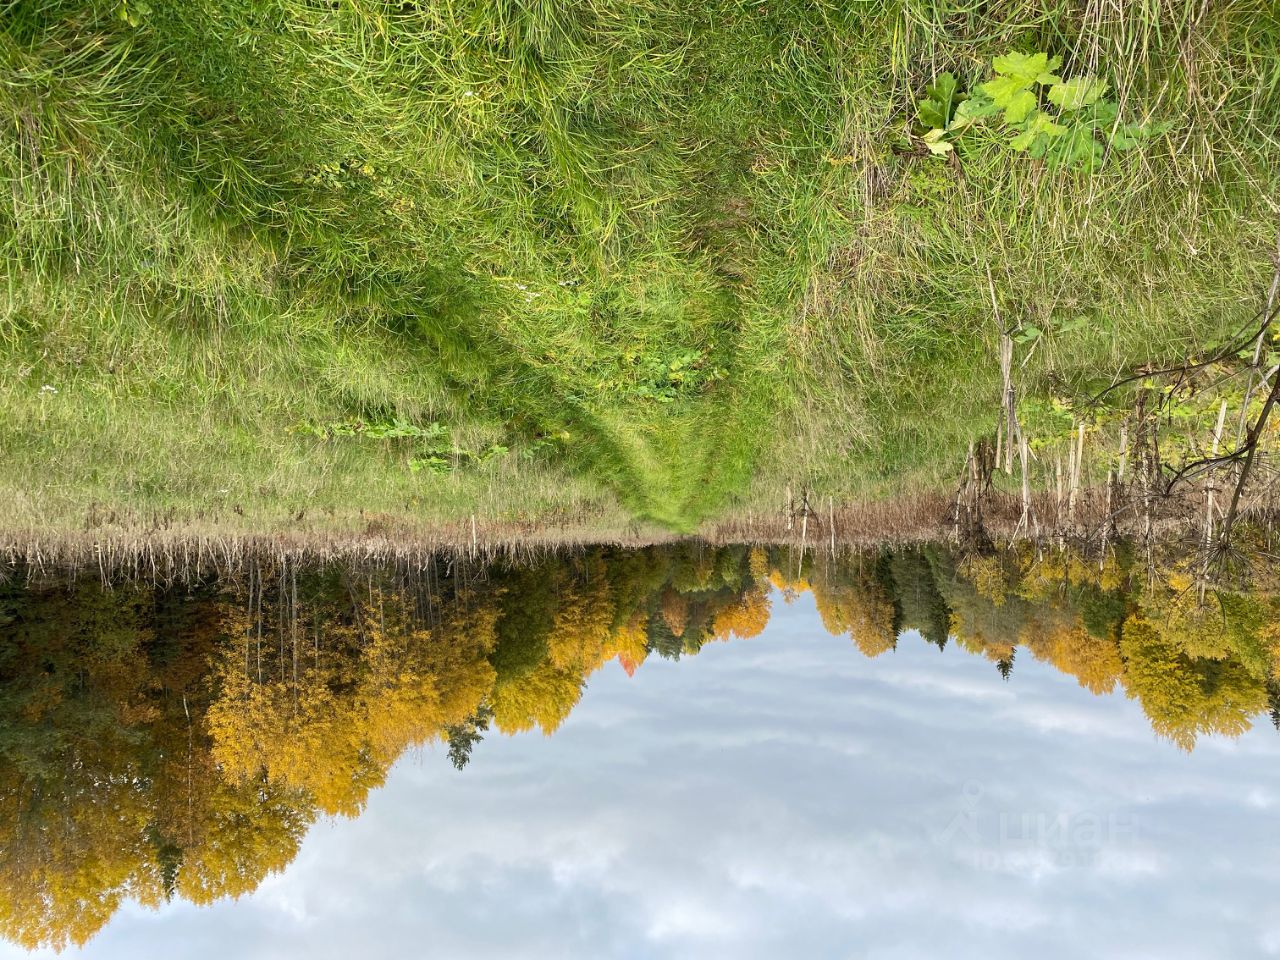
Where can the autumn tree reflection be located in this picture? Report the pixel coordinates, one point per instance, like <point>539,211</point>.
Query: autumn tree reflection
<point>179,741</point>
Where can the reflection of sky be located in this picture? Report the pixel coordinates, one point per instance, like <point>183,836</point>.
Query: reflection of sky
<point>786,797</point>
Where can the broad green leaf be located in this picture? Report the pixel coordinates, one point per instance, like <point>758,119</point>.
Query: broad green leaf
<point>931,113</point>
<point>1078,150</point>
<point>1077,92</point>
<point>1125,137</point>
<point>939,104</point>
<point>1023,141</point>
<point>1028,68</point>
<point>1019,106</point>
<point>1002,90</point>
<point>432,463</point>
<point>1101,115</point>
<point>975,108</point>
<point>1039,126</point>
<point>945,89</point>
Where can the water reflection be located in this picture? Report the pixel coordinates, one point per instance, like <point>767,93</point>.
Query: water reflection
<point>179,742</point>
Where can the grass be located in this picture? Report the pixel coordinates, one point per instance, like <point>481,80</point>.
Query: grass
<point>672,257</point>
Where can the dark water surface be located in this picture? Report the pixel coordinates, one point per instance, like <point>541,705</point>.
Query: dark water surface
<point>781,794</point>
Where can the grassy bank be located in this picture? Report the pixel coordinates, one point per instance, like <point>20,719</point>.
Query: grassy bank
<point>655,260</point>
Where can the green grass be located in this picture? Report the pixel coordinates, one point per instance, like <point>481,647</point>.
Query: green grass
<point>664,253</point>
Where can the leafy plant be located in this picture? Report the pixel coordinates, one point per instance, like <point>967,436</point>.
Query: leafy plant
<point>1065,122</point>
<point>433,463</point>
<point>937,110</point>
<point>435,453</point>
<point>133,13</point>
<point>636,375</point>
<point>387,430</point>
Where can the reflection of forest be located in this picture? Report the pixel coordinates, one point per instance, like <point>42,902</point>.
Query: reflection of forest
<point>179,741</point>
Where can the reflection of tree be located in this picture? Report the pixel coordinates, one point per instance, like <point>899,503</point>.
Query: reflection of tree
<point>105,782</point>
<point>860,604</point>
<point>330,718</point>
<point>526,610</point>
<point>675,611</point>
<point>250,829</point>
<point>162,742</point>
<point>1095,662</point>
<point>986,618</point>
<point>541,698</point>
<point>1184,696</point>
<point>744,617</point>
<point>923,607</point>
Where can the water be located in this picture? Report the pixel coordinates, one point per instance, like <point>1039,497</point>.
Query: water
<point>777,795</point>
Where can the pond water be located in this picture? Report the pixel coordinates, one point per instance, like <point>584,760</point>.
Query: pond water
<point>777,795</point>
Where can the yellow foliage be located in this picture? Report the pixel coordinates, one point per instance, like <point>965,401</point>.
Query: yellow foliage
<point>973,638</point>
<point>859,607</point>
<point>1182,697</point>
<point>987,576</point>
<point>582,625</point>
<point>630,643</point>
<point>334,729</point>
<point>542,698</point>
<point>1094,662</point>
<point>745,617</point>
<point>59,887</point>
<point>1044,574</point>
